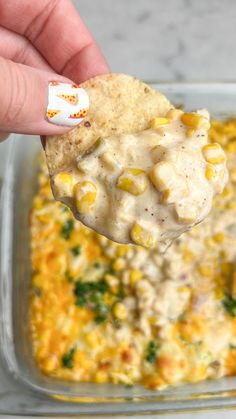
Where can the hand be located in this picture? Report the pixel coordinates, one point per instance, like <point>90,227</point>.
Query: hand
<point>40,42</point>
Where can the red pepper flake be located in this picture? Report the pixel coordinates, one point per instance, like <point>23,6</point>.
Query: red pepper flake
<point>105,365</point>
<point>127,356</point>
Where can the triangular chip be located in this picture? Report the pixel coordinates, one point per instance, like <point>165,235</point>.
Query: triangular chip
<point>118,104</point>
<point>72,99</point>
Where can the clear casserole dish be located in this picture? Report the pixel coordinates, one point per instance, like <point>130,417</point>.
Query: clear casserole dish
<point>23,388</point>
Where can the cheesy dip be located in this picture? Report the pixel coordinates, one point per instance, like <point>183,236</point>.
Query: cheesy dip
<point>149,187</point>
<point>104,312</point>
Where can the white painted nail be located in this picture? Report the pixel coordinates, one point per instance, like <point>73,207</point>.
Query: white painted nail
<point>68,104</point>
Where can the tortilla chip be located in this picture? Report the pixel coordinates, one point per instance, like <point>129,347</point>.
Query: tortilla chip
<point>118,104</point>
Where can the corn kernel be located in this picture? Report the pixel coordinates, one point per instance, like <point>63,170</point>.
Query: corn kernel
<point>209,242</point>
<point>92,339</point>
<point>230,205</point>
<point>231,147</point>
<point>38,280</point>
<point>195,121</point>
<point>219,293</point>
<point>165,196</point>
<point>187,256</point>
<point>120,311</point>
<point>213,153</point>
<point>134,276</point>
<point>141,236</point>
<point>174,113</point>
<point>183,289</point>
<point>219,280</point>
<point>210,171</point>
<point>206,270</point>
<point>122,250</point>
<point>152,320</point>
<point>227,192</point>
<point>133,181</point>
<point>85,165</point>
<point>219,237</point>
<point>37,202</point>
<point>166,180</point>
<point>50,364</point>
<point>226,268</point>
<point>186,214</point>
<point>63,184</point>
<point>156,122</point>
<point>109,161</point>
<point>170,196</point>
<point>101,377</point>
<point>233,175</point>
<point>113,283</point>
<point>189,132</point>
<point>119,264</point>
<point>85,194</point>
<point>162,174</point>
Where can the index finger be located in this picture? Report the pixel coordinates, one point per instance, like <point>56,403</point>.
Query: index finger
<point>55,28</point>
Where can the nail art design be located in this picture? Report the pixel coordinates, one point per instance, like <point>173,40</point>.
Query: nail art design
<point>72,99</point>
<point>67,103</point>
<point>51,113</point>
<point>80,114</point>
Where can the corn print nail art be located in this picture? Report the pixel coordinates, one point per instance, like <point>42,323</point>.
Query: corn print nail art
<point>68,103</point>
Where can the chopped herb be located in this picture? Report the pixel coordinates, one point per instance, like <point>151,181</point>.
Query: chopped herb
<point>117,323</point>
<point>76,250</point>
<point>101,312</point>
<point>232,346</point>
<point>67,359</point>
<point>97,265</point>
<point>64,209</point>
<point>151,352</point>
<point>121,292</point>
<point>91,294</point>
<point>80,291</point>
<point>67,229</point>
<point>68,277</point>
<point>80,300</point>
<point>101,286</point>
<point>229,304</point>
<point>110,270</point>
<point>96,297</point>
<point>37,291</point>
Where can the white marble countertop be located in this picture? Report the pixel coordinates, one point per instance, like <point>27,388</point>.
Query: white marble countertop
<point>158,40</point>
<point>165,40</point>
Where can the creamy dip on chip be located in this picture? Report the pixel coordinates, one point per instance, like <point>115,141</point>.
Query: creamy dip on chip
<point>146,187</point>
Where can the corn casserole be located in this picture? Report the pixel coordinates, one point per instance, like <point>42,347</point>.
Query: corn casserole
<point>105,312</point>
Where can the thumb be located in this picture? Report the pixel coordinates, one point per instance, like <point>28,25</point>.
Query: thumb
<point>38,102</point>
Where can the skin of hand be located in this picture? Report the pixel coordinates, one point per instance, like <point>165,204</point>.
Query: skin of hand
<point>40,42</point>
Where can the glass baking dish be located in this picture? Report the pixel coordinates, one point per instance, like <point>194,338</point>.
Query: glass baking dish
<point>23,389</point>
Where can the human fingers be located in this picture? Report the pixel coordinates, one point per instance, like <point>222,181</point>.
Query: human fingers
<point>32,98</point>
<point>18,49</point>
<point>55,28</point>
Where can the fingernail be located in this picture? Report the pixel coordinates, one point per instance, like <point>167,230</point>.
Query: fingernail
<point>68,104</point>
